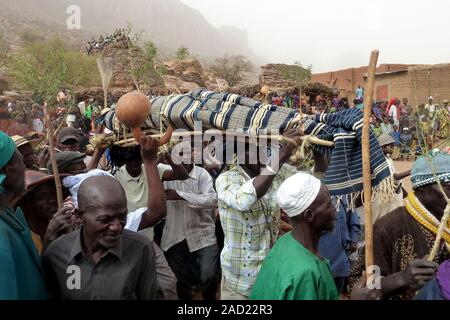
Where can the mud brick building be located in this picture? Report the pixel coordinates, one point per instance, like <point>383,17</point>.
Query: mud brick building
<point>347,80</point>
<point>416,83</point>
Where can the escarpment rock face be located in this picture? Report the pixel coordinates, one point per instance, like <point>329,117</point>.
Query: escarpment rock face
<point>280,76</point>
<point>185,75</point>
<point>188,70</point>
<point>168,23</point>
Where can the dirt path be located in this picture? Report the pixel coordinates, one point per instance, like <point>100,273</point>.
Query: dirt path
<point>403,166</point>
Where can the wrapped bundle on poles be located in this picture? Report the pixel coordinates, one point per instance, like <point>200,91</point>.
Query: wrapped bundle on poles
<point>337,136</point>
<point>215,110</point>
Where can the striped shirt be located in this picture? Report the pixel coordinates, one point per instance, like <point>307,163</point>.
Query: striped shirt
<point>246,221</point>
<point>192,219</point>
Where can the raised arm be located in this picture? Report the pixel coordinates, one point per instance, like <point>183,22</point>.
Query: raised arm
<point>156,205</point>
<point>263,181</point>
<point>96,157</point>
<point>178,171</point>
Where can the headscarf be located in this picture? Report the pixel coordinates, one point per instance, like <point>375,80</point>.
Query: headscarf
<point>73,183</point>
<point>297,193</point>
<point>7,148</point>
<point>391,102</point>
<point>422,172</point>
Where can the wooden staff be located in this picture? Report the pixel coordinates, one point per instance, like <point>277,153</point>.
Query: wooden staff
<point>311,139</point>
<point>52,157</point>
<point>442,226</point>
<point>366,162</point>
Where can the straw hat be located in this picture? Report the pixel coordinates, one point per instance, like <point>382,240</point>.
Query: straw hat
<point>21,141</point>
<point>34,179</point>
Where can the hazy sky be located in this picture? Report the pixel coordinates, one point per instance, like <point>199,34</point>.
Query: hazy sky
<point>332,34</point>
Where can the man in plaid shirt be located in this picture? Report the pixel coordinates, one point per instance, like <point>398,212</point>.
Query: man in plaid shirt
<point>250,215</point>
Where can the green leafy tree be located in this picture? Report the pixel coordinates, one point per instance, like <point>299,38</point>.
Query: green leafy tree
<point>296,73</point>
<point>232,68</point>
<point>46,67</point>
<point>161,69</point>
<point>150,51</point>
<point>182,53</point>
<point>145,71</point>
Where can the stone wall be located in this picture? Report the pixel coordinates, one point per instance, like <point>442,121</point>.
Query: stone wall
<point>281,76</point>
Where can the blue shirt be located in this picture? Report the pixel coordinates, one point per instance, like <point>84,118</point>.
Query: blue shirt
<point>396,136</point>
<point>430,291</point>
<point>359,93</point>
<point>334,245</point>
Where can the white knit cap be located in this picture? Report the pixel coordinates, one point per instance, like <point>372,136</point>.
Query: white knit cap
<point>297,193</point>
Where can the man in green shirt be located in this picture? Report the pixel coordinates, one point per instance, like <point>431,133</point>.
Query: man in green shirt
<point>294,270</point>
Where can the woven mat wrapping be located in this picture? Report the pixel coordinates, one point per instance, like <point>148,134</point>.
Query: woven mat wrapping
<point>344,174</point>
<point>214,110</point>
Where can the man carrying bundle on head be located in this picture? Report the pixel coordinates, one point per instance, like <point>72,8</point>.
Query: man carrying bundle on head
<point>249,214</point>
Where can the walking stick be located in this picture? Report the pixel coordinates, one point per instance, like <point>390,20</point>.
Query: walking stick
<point>366,162</point>
<point>52,157</point>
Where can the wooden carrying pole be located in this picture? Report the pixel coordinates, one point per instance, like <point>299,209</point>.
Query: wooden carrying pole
<point>52,157</point>
<point>368,96</point>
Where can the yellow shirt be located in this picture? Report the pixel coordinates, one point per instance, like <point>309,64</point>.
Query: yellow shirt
<point>136,188</point>
<point>37,241</point>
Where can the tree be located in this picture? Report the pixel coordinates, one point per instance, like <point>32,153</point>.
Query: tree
<point>147,71</point>
<point>296,73</point>
<point>150,51</point>
<point>309,67</point>
<point>46,67</point>
<point>182,53</point>
<point>232,68</point>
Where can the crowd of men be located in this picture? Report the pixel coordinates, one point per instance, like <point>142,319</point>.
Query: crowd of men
<point>95,45</point>
<point>414,130</point>
<point>140,224</point>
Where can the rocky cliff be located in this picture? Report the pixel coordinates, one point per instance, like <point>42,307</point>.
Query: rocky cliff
<point>184,74</point>
<point>168,23</point>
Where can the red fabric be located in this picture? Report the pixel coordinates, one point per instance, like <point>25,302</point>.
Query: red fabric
<point>391,102</point>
